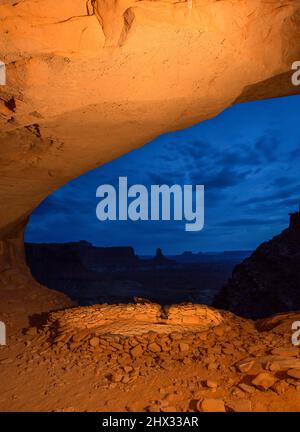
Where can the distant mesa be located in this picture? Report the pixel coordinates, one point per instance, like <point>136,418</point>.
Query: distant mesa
<point>268,281</point>
<point>160,259</point>
<point>90,256</point>
<point>90,274</point>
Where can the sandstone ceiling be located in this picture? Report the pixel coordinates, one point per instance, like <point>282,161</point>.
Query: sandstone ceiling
<point>89,81</point>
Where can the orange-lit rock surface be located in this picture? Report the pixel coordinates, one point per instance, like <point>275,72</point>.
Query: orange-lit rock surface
<point>133,319</point>
<point>70,360</point>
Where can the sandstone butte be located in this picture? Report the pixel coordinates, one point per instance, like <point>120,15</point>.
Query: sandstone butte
<point>87,83</point>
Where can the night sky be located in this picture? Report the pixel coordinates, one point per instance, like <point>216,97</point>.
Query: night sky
<point>248,158</point>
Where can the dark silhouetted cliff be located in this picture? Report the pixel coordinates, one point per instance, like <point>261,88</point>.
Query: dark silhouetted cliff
<point>269,280</point>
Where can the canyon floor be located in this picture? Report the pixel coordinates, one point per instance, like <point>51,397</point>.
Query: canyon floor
<point>182,358</point>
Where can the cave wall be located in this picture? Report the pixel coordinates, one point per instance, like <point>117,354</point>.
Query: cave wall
<point>90,81</point>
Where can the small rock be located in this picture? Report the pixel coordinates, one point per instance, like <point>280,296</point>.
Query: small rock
<point>169,397</point>
<point>219,331</point>
<point>211,405</point>
<point>94,342</point>
<point>211,384</point>
<point>125,379</point>
<point>153,408</point>
<point>263,381</point>
<point>78,337</point>
<point>245,365</point>
<point>154,347</point>
<point>116,345</point>
<point>240,405</point>
<point>280,387</point>
<point>116,377</point>
<point>246,388</point>
<point>228,351</point>
<point>284,363</point>
<point>294,373</point>
<point>235,391</point>
<point>273,366</point>
<point>286,352</point>
<point>184,347</point>
<point>212,366</point>
<point>137,351</point>
<point>175,336</point>
<point>31,331</point>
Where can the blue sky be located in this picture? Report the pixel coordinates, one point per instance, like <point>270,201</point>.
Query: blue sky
<point>248,158</point>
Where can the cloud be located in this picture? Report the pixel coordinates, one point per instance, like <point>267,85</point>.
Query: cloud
<point>221,179</point>
<point>268,145</point>
<point>165,177</point>
<point>250,222</point>
<point>276,195</point>
<point>283,181</point>
<point>52,204</point>
<point>295,154</point>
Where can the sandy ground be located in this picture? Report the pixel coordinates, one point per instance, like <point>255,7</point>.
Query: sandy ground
<point>37,374</point>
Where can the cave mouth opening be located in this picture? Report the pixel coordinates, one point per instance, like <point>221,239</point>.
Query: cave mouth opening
<point>248,161</point>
